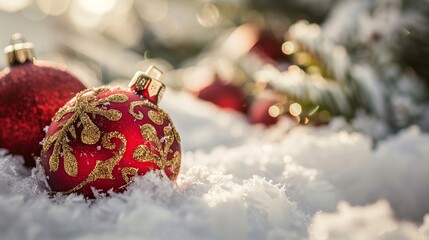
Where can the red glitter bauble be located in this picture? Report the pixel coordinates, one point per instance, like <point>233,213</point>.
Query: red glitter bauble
<point>224,95</point>
<point>104,136</point>
<point>260,113</point>
<point>30,94</point>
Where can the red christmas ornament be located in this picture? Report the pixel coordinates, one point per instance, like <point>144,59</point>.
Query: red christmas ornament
<point>224,95</point>
<point>30,94</point>
<point>265,111</point>
<point>268,47</point>
<point>104,136</point>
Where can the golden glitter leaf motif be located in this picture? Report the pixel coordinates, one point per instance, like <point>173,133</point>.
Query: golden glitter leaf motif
<point>138,115</point>
<point>115,98</point>
<point>156,117</point>
<point>148,132</point>
<point>81,107</point>
<point>169,139</point>
<point>72,131</point>
<point>48,143</point>
<point>90,132</point>
<point>174,164</point>
<point>103,168</point>
<point>143,154</point>
<point>128,173</point>
<point>70,162</point>
<point>61,112</point>
<point>54,159</point>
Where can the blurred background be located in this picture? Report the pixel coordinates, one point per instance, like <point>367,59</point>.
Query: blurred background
<point>366,61</point>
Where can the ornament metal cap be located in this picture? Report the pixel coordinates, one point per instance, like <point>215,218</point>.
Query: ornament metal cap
<point>19,51</point>
<point>148,84</point>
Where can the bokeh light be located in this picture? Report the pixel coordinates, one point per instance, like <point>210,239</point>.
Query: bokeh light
<point>288,48</point>
<point>208,15</point>
<point>274,111</point>
<point>295,109</point>
<point>324,116</point>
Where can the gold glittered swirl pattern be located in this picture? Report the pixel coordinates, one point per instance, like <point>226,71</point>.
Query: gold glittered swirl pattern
<point>128,173</point>
<point>85,103</point>
<point>143,154</point>
<point>174,165</point>
<point>138,115</point>
<point>162,114</point>
<point>103,168</point>
<point>70,162</point>
<point>156,117</point>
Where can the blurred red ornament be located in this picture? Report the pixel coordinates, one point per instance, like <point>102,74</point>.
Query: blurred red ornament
<point>104,136</point>
<point>30,94</point>
<point>268,47</point>
<point>264,111</point>
<point>224,95</point>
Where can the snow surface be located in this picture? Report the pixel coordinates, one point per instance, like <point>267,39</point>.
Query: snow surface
<point>239,181</point>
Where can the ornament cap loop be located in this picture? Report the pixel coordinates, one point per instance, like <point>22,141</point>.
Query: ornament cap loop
<point>19,51</point>
<point>148,84</point>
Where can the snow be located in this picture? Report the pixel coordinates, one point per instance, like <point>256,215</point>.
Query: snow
<point>239,181</point>
<point>371,222</point>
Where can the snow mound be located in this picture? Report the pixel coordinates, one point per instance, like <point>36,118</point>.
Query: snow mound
<point>242,182</point>
<point>371,222</point>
